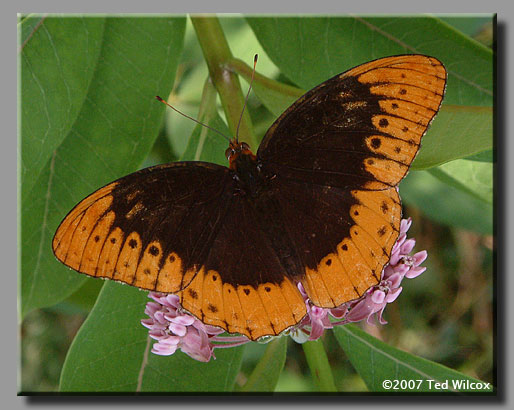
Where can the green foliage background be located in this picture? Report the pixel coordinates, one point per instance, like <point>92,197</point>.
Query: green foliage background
<point>88,116</point>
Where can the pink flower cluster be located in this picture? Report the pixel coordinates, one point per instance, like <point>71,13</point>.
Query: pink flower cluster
<point>174,328</point>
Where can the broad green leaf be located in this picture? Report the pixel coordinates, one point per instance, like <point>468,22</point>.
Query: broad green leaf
<point>111,353</point>
<point>446,204</point>
<point>376,362</point>
<point>456,132</point>
<point>85,297</point>
<point>326,46</point>
<point>468,24</point>
<point>111,136</point>
<point>27,25</point>
<point>58,57</point>
<point>265,376</point>
<point>485,156</point>
<point>473,177</point>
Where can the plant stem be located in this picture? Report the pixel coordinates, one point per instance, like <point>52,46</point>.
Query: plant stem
<point>244,70</point>
<point>217,54</point>
<point>319,366</point>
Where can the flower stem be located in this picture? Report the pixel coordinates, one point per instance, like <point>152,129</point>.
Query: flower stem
<point>217,54</point>
<point>319,366</point>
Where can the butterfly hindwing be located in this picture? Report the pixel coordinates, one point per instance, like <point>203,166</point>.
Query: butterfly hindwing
<point>342,237</point>
<point>256,295</point>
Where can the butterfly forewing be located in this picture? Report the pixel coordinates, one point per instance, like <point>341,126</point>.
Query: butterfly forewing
<point>146,228</point>
<point>360,129</point>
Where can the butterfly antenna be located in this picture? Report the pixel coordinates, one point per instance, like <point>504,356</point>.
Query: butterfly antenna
<point>246,99</point>
<point>191,118</point>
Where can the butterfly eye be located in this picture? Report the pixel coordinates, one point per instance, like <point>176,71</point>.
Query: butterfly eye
<point>229,152</point>
<point>245,146</point>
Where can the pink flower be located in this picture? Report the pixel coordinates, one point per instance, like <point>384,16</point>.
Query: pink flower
<point>313,324</point>
<point>376,298</point>
<point>175,329</point>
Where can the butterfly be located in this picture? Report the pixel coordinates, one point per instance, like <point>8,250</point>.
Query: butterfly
<point>317,204</point>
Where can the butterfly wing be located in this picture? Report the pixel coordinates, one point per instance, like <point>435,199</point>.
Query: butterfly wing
<point>243,285</point>
<point>339,152</point>
<point>144,229</point>
<point>342,238</point>
<point>182,228</point>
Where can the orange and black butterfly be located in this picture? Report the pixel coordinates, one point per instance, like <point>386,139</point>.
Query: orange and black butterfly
<point>317,204</point>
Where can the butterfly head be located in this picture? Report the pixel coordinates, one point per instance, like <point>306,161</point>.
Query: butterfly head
<point>235,150</point>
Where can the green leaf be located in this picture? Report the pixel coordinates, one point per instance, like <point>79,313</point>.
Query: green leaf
<point>85,297</point>
<point>456,132</point>
<point>473,177</point>
<point>484,156</point>
<point>58,58</point>
<point>469,25</point>
<point>111,353</point>
<point>111,136</point>
<point>325,46</point>
<point>265,376</point>
<point>445,204</point>
<point>376,362</point>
